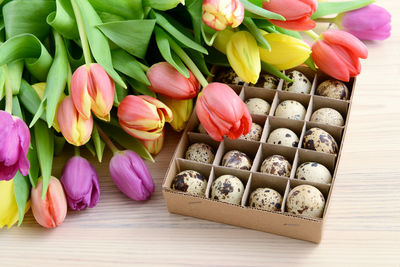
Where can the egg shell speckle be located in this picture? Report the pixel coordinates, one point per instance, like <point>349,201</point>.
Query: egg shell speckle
<point>258,106</point>
<point>200,152</point>
<point>306,200</point>
<point>333,89</point>
<point>276,165</point>
<point>301,84</point>
<point>290,109</point>
<point>314,172</point>
<point>328,116</point>
<point>319,140</point>
<point>267,81</point>
<point>191,182</point>
<point>237,160</point>
<point>254,134</point>
<point>284,137</point>
<point>227,188</point>
<point>266,199</point>
<point>229,77</point>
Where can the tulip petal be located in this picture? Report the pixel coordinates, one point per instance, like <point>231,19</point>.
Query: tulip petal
<point>141,170</point>
<point>301,24</point>
<point>80,86</point>
<point>345,39</point>
<point>7,172</point>
<point>160,105</point>
<point>6,122</point>
<point>8,204</point>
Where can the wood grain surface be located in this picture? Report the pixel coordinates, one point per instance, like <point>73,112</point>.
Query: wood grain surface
<point>363,224</point>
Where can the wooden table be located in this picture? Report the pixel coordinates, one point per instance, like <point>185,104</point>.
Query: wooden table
<point>363,226</point>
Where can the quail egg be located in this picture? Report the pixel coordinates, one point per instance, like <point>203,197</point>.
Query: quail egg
<point>200,152</point>
<point>333,89</point>
<point>227,188</point>
<point>290,109</point>
<point>306,200</point>
<point>267,81</point>
<point>201,129</point>
<point>320,140</point>
<point>314,172</point>
<point>228,76</point>
<point>254,134</point>
<point>284,137</point>
<point>328,116</point>
<point>191,182</point>
<point>265,199</point>
<point>236,159</point>
<point>276,165</point>
<point>301,84</point>
<point>258,106</point>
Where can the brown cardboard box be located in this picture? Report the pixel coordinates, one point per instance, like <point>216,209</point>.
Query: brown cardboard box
<point>282,222</point>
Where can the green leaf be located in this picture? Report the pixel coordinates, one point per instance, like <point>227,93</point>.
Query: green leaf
<point>194,9</point>
<point>128,65</point>
<point>29,98</point>
<point>59,143</point>
<point>215,57</point>
<point>97,41</point>
<point>129,9</point>
<point>310,62</point>
<point>131,35</point>
<point>63,20</point>
<point>208,34</point>
<point>2,81</point>
<point>255,9</point>
<point>140,88</point>
<point>90,147</point>
<point>274,71</point>
<point>120,93</point>
<point>27,16</point>
<point>329,8</point>
<point>257,2</point>
<point>34,162</point>
<point>45,150</point>
<point>162,5</point>
<point>16,108</point>
<point>198,59</point>
<point>15,70</point>
<point>294,34</point>
<point>98,144</point>
<point>108,17</point>
<point>22,189</point>
<point>261,41</point>
<point>74,53</point>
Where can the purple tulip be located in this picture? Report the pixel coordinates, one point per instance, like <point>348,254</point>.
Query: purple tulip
<point>81,184</point>
<point>130,174</point>
<point>368,23</point>
<point>14,145</point>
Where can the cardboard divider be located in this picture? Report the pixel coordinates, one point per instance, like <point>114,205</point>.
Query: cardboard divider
<point>326,159</point>
<point>295,164</point>
<point>250,148</point>
<point>321,77</point>
<point>319,102</point>
<point>260,120</point>
<point>268,150</point>
<point>276,123</point>
<point>199,138</point>
<point>335,131</point>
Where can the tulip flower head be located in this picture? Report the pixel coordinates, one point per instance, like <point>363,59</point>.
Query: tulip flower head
<point>218,14</point>
<point>81,184</point>
<point>155,146</point>
<point>131,175</point>
<point>337,54</point>
<point>143,116</point>
<point>92,89</point>
<point>296,12</point>
<point>167,81</point>
<point>74,127</point>
<point>8,204</point>
<point>49,212</point>
<point>181,111</point>
<point>14,145</point>
<point>222,112</point>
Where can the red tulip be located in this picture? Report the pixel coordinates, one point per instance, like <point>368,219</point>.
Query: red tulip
<point>296,12</point>
<point>222,112</point>
<point>337,53</point>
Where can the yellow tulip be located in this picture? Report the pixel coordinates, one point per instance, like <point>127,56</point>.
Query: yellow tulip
<point>8,204</point>
<point>222,39</point>
<point>181,110</point>
<point>244,56</point>
<point>286,51</point>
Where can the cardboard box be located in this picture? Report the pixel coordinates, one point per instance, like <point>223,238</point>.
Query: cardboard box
<point>282,222</point>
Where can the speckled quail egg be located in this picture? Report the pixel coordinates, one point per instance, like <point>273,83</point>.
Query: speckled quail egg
<point>191,182</point>
<point>200,152</point>
<point>301,84</point>
<point>320,140</point>
<point>333,89</point>
<point>265,199</point>
<point>201,129</point>
<point>284,137</point>
<point>258,106</point>
<point>276,165</point>
<point>306,200</point>
<point>227,188</point>
<point>228,76</point>
<point>254,134</point>
<point>237,160</point>
<point>314,172</point>
<point>328,116</point>
<point>267,81</point>
<point>290,109</point>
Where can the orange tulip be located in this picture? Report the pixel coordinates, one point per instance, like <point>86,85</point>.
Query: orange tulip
<point>155,146</point>
<point>218,14</point>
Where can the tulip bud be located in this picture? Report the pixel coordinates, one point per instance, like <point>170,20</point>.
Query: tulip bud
<point>92,89</point>
<point>167,81</point>
<point>222,112</point>
<point>244,56</point>
<point>181,110</point>
<point>14,145</point>
<point>49,212</point>
<point>131,175</point>
<point>73,126</point>
<point>286,51</point>
<point>155,146</point>
<point>218,14</point>
<point>143,116</point>
<point>222,39</point>
<point>81,184</point>
<point>8,204</point>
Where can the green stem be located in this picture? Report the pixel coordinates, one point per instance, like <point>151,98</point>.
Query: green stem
<point>327,20</point>
<point>106,139</point>
<point>144,67</point>
<point>9,93</point>
<point>77,152</point>
<point>82,33</point>
<point>312,34</point>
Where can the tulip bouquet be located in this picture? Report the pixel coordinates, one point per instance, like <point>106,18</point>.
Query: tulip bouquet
<point>91,74</point>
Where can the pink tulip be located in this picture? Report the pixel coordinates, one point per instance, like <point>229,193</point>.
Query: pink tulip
<point>296,12</point>
<point>337,54</point>
<point>74,127</point>
<point>218,14</point>
<point>49,212</point>
<point>14,145</point>
<point>368,23</point>
<point>222,112</point>
<point>143,116</point>
<point>155,146</point>
<point>167,81</point>
<point>92,89</point>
